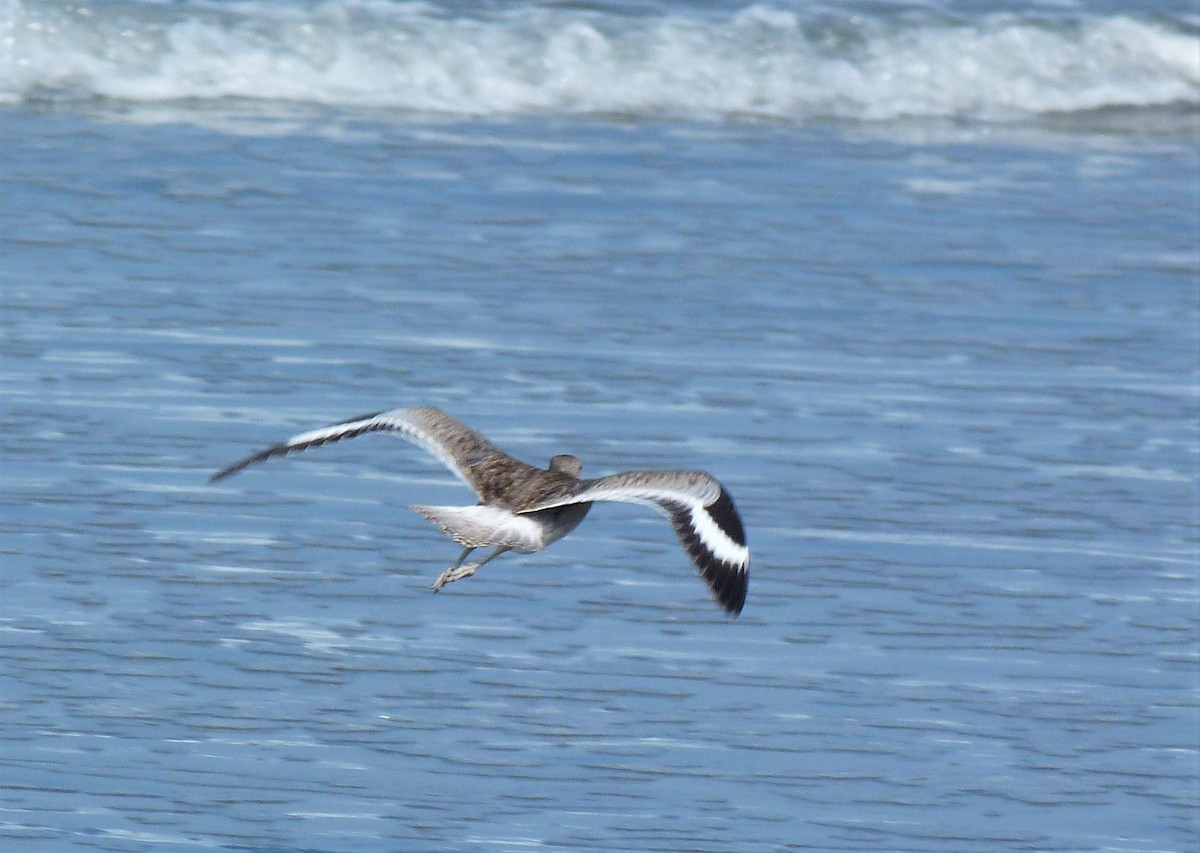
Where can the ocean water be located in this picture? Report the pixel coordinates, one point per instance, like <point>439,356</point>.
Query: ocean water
<point>918,281</point>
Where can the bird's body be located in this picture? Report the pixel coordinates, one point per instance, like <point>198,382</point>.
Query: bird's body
<point>524,508</point>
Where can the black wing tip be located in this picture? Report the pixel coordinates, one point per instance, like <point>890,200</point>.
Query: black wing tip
<point>727,581</point>
<point>735,596</point>
<point>221,475</point>
<point>728,584</point>
<point>247,462</point>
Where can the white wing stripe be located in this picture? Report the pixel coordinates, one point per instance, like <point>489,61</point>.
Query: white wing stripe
<point>717,540</point>
<point>647,494</point>
<point>398,421</point>
<point>668,500</point>
<point>714,538</point>
<point>407,423</point>
<point>328,433</point>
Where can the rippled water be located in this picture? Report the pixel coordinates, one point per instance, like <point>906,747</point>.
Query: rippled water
<point>949,377</point>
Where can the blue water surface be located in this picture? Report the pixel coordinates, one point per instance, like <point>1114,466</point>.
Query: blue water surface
<point>948,373</point>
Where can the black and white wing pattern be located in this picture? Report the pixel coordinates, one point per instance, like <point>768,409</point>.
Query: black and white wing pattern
<point>456,445</point>
<point>702,513</point>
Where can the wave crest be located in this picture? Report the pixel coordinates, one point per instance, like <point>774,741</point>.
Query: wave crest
<point>761,61</point>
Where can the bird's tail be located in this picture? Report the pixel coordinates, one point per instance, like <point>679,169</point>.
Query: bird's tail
<point>483,526</point>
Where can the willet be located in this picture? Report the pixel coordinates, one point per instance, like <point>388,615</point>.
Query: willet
<point>524,508</point>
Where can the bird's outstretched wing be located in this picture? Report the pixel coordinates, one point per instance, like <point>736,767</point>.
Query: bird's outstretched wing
<point>461,449</point>
<point>702,513</point>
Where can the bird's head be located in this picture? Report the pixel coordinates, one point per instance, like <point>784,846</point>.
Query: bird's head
<point>567,464</point>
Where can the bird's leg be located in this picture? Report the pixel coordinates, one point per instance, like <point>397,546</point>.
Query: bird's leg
<point>444,578</point>
<point>458,571</point>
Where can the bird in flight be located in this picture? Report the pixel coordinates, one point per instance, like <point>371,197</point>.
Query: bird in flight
<point>524,508</point>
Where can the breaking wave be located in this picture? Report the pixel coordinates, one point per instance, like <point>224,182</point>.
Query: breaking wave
<point>759,61</point>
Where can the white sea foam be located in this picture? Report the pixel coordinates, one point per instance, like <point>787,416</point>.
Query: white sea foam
<point>761,61</point>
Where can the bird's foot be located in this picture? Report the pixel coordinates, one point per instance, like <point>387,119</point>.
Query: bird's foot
<point>454,573</point>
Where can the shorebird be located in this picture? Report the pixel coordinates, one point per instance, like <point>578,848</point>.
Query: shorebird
<point>524,508</point>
